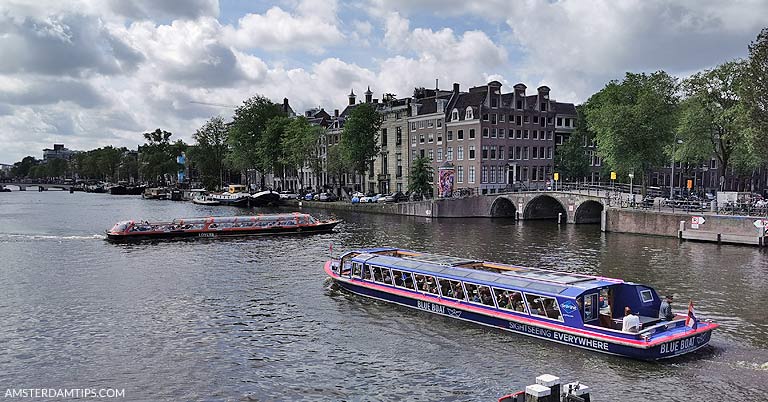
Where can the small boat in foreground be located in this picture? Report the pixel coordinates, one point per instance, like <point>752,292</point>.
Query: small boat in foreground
<point>572,309</point>
<point>290,223</point>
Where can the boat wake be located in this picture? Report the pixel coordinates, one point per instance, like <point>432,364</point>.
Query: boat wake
<point>24,237</point>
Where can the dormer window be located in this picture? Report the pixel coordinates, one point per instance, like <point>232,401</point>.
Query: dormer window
<point>468,114</point>
<point>455,115</point>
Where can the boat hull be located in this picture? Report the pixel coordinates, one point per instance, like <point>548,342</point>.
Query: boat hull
<point>526,325</point>
<point>305,229</point>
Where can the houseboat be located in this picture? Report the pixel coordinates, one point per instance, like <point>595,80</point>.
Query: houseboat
<point>572,309</point>
<point>236,195</point>
<point>289,223</point>
<point>265,198</point>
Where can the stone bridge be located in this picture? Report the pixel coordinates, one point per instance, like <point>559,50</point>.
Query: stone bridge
<point>23,186</point>
<point>571,206</point>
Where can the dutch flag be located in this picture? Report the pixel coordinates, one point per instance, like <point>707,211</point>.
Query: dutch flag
<point>690,320</point>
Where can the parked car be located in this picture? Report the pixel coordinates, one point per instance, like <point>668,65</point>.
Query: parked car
<point>288,195</point>
<point>309,196</point>
<point>396,197</point>
<point>329,197</point>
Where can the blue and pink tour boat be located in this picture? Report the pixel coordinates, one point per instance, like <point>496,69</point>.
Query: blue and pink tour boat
<point>573,309</point>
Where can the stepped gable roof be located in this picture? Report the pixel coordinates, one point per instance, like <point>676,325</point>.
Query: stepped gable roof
<point>565,108</point>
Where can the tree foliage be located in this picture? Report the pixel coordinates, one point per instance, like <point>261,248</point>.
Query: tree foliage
<point>634,121</point>
<point>210,152</point>
<point>713,120</point>
<point>299,142</point>
<point>248,126</point>
<point>359,140</point>
<point>158,156</point>
<point>571,159</point>
<point>755,92</point>
<point>420,179</point>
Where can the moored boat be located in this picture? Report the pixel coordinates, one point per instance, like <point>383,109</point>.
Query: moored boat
<point>155,193</point>
<point>236,196</point>
<point>289,223</point>
<point>265,198</point>
<point>573,309</point>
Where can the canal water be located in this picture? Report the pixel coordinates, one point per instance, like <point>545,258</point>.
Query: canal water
<point>252,319</point>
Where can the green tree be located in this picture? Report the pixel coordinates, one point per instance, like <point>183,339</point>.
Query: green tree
<point>158,156</point>
<point>210,152</point>
<point>336,165</point>
<point>359,140</point>
<point>420,179</point>
<point>22,168</point>
<point>634,121</point>
<point>271,150</point>
<point>755,92</point>
<point>713,120</point>
<point>247,128</point>
<point>571,159</point>
<point>300,142</point>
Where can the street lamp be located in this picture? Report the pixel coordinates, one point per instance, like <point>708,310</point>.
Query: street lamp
<point>672,179</point>
<point>631,182</point>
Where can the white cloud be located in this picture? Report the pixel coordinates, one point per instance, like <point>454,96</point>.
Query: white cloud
<point>279,30</point>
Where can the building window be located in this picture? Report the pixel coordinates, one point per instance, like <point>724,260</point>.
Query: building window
<point>413,140</point>
<point>468,113</point>
<point>439,154</point>
<point>534,172</point>
<point>535,119</point>
<point>485,151</point>
<point>421,153</point>
<point>492,175</point>
<point>525,134</point>
<point>519,105</point>
<point>549,135</point>
<point>421,138</point>
<point>471,133</point>
<point>518,153</point>
<point>398,136</point>
<point>459,135</point>
<point>471,152</point>
<point>460,174</point>
<point>484,174</point>
<point>526,119</point>
<point>449,154</point>
<point>501,133</point>
<point>549,152</point>
<point>455,114</point>
<point>493,152</point>
<point>384,137</point>
<point>535,153</point>
<point>525,153</point>
<point>543,106</point>
<point>413,126</point>
<point>460,153</point>
<point>449,136</point>
<point>567,122</point>
<point>439,123</point>
<point>485,132</point>
<point>519,120</point>
<point>494,102</point>
<point>501,118</point>
<point>494,132</point>
<point>440,137</point>
<point>518,134</point>
<point>493,118</point>
<point>431,154</point>
<point>431,137</point>
<point>430,123</point>
<point>485,116</point>
<point>399,170</point>
<point>421,124</point>
<point>541,153</point>
<point>471,174</point>
<point>559,121</point>
<point>501,152</point>
<point>536,134</point>
<point>542,122</point>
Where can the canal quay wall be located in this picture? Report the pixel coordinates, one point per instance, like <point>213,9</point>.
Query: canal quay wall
<point>685,226</point>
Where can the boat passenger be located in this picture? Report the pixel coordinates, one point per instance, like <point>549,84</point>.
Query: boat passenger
<point>631,322</point>
<point>665,310</point>
<point>475,297</point>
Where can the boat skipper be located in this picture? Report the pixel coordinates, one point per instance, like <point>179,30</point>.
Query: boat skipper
<point>665,309</point>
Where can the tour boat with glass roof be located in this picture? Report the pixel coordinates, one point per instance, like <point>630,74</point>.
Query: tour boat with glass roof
<point>578,310</point>
<point>221,226</point>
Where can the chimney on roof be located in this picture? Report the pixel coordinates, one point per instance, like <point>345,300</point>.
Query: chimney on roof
<point>437,88</point>
<point>368,95</point>
<point>285,105</point>
<point>542,98</point>
<point>335,112</point>
<point>351,97</point>
<point>455,87</point>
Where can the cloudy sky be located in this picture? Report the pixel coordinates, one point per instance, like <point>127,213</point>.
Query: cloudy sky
<point>89,73</point>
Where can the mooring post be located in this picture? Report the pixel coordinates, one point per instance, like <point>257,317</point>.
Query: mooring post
<point>552,382</point>
<point>537,393</point>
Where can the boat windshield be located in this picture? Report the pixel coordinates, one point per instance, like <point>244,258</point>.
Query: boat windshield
<point>120,227</point>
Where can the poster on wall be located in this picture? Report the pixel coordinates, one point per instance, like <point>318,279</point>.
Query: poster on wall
<point>445,178</point>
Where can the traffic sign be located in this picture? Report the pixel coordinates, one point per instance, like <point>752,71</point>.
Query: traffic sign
<point>613,175</point>
<point>696,221</point>
<point>557,176</point>
<point>760,223</point>
<point>689,184</point>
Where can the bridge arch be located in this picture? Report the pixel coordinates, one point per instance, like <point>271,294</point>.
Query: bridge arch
<point>588,212</point>
<point>544,207</point>
<point>503,207</point>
